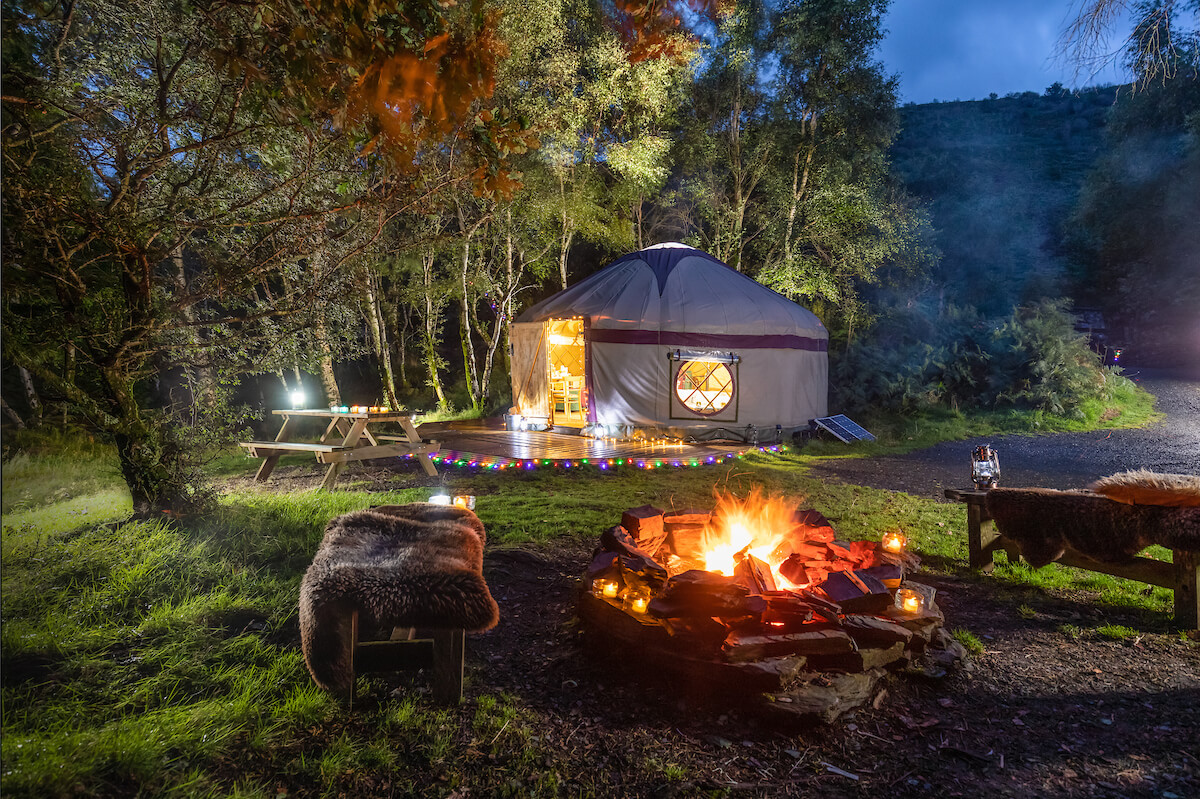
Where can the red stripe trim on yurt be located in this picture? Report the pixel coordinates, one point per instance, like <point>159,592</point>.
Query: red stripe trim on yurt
<point>675,338</point>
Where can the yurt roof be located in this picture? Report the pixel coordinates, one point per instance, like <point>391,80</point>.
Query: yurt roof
<point>679,288</point>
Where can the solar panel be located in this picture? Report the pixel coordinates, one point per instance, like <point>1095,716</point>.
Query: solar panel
<point>843,429</point>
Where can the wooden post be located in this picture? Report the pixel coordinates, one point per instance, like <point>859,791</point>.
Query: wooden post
<point>415,438</point>
<point>448,650</point>
<point>351,440</point>
<point>350,652</point>
<point>268,464</point>
<point>1187,579</point>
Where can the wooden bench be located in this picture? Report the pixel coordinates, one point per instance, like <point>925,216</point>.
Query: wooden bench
<point>261,449</point>
<point>1181,574</point>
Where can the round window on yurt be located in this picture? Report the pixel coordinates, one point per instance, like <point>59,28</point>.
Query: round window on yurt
<point>704,387</point>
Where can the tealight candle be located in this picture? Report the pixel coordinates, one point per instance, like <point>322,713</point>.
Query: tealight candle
<point>637,601</point>
<point>909,601</point>
<point>605,588</point>
<point>894,541</point>
<point>465,501</point>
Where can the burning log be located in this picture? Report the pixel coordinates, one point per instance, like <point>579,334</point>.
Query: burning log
<point>753,573</point>
<point>645,525</point>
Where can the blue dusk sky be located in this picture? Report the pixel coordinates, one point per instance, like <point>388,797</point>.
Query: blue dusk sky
<point>966,49</point>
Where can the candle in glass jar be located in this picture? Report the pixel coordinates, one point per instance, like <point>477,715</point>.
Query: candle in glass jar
<point>894,541</point>
<point>909,601</point>
<point>605,588</point>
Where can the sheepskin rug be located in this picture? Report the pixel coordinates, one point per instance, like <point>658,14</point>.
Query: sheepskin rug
<point>1044,521</point>
<point>418,565</point>
<point>1144,487</point>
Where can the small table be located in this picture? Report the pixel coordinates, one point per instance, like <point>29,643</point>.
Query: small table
<point>347,438</point>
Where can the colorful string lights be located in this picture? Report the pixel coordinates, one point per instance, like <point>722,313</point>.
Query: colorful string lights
<point>470,461</point>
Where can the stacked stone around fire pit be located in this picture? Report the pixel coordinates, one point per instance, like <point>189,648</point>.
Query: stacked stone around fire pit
<point>814,650</point>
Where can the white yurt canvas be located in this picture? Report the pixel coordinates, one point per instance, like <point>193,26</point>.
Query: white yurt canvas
<point>670,338</point>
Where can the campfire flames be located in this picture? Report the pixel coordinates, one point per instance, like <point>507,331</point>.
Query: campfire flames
<point>759,526</point>
<point>760,591</point>
<point>751,567</point>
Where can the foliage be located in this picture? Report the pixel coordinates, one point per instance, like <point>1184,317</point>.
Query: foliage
<point>1134,242</point>
<point>1031,360</point>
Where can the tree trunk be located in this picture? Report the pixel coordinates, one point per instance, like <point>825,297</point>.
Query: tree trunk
<point>328,380</point>
<point>379,339</point>
<point>464,330</point>
<point>432,328</point>
<point>31,397</point>
<point>11,414</point>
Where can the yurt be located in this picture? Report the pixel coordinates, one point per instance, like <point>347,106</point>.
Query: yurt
<point>669,339</point>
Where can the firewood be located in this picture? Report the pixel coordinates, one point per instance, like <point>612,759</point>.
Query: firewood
<point>887,573</point>
<point>793,569</point>
<point>786,608</point>
<point>633,560</point>
<point>873,631</point>
<point>812,526</point>
<point>810,551</point>
<point>645,525</point>
<point>742,646</point>
<point>689,516</point>
<point>687,541</point>
<point>754,574</point>
<point>701,593</point>
<point>856,592</point>
<point>840,550</point>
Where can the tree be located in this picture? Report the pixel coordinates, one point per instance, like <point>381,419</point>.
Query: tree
<point>1159,44</point>
<point>157,216</point>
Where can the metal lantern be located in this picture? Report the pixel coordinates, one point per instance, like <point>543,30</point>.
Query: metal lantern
<point>985,467</point>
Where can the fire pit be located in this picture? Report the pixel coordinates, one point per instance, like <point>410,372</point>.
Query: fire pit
<point>761,595</point>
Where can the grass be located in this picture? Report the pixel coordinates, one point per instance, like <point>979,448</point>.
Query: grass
<point>145,659</point>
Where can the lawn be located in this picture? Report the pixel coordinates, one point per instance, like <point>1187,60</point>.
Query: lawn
<point>162,658</point>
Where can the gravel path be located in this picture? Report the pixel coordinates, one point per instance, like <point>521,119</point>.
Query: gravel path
<point>1056,460</point>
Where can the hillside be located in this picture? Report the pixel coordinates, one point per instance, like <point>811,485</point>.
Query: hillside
<point>999,177</point>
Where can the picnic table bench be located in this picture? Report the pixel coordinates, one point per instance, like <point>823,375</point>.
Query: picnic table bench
<point>348,437</point>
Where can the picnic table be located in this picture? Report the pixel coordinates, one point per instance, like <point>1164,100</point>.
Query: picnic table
<point>349,436</point>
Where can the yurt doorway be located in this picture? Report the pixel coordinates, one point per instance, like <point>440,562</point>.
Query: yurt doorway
<point>565,357</point>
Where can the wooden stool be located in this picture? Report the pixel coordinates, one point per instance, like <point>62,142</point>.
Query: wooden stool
<point>416,569</point>
<point>440,650</point>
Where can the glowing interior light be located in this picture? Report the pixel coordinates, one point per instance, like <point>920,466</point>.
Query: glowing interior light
<point>297,399</point>
<point>440,499</point>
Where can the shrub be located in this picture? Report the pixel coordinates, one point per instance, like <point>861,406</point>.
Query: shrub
<point>1031,360</point>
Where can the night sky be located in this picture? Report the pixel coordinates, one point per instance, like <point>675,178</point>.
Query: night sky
<point>966,49</point>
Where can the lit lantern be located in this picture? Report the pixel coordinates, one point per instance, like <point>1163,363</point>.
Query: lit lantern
<point>384,409</point>
<point>297,399</point>
<point>604,587</point>
<point>440,499</point>
<point>894,541</point>
<point>345,409</point>
<point>465,501</point>
<point>910,601</point>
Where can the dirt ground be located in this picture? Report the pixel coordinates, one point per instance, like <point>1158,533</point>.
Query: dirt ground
<point>1041,712</point>
<point>1050,708</point>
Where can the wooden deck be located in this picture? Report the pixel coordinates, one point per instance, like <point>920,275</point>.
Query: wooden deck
<point>486,443</point>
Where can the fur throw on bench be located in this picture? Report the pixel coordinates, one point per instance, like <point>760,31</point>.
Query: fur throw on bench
<point>1043,522</point>
<point>418,565</point>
